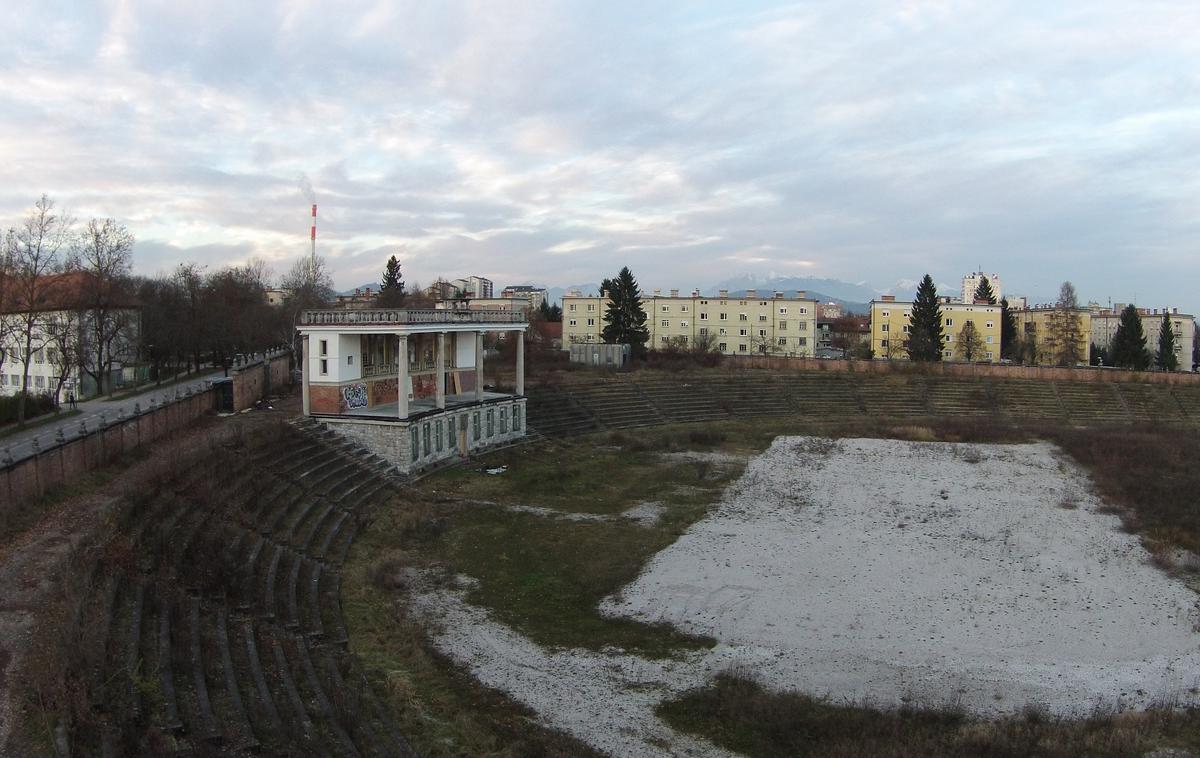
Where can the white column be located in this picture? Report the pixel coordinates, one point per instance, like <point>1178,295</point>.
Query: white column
<point>305,371</point>
<point>402,379</point>
<point>521,362</point>
<point>440,359</point>
<point>479,366</point>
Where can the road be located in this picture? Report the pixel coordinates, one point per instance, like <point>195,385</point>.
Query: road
<point>20,444</point>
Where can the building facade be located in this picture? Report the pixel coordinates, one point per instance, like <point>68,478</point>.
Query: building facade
<point>474,286</point>
<point>752,324</point>
<point>1104,323</point>
<point>1039,343</point>
<point>971,282</point>
<point>535,296</point>
<point>408,384</point>
<point>890,327</point>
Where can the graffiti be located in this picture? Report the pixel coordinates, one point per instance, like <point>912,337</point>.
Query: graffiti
<point>384,391</point>
<point>355,395</point>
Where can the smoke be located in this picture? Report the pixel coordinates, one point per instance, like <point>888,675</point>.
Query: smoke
<point>306,188</point>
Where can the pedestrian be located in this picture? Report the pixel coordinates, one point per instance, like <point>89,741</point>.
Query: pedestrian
<point>71,400</point>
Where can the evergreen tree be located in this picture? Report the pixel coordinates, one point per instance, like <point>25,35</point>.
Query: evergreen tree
<point>925,338</point>
<point>550,312</point>
<point>1165,359</point>
<point>625,318</point>
<point>1009,347</point>
<point>984,292</point>
<point>391,290</point>
<point>1128,348</point>
<point>1065,343</point>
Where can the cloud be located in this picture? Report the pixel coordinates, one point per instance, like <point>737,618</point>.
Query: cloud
<point>871,141</point>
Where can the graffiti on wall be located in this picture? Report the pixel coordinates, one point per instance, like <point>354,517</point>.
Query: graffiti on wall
<point>355,395</point>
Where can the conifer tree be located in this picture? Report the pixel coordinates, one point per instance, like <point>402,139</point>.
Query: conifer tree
<point>1128,348</point>
<point>925,337</point>
<point>625,318</point>
<point>1009,347</point>
<point>1165,359</point>
<point>984,292</point>
<point>391,289</point>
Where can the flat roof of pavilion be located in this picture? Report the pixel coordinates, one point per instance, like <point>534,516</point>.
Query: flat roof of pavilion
<point>398,320</point>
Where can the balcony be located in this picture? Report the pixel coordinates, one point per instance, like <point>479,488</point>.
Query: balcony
<point>407,316</point>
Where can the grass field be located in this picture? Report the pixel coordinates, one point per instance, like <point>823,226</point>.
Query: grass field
<point>544,572</point>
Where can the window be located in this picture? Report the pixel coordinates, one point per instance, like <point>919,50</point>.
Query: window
<point>905,328</point>
<point>783,341</point>
<point>516,418</point>
<point>491,422</point>
<point>666,309</point>
<point>324,366</point>
<point>742,333</point>
<point>683,309</point>
<point>39,381</point>
<point>665,323</point>
<point>324,347</point>
<point>591,322</point>
<point>3,379</point>
<point>475,425</point>
<point>414,442</point>
<point>949,322</point>
<point>704,331</point>
<point>742,317</point>
<point>885,314</point>
<point>989,339</point>
<point>722,331</point>
<point>39,356</point>
<point>883,327</point>
<point>437,428</point>
<point>989,355</point>
<point>802,341</point>
<point>804,310</point>
<point>723,347</point>
<point>349,360</point>
<point>762,348</point>
<point>762,332</point>
<point>571,322</point>
<point>703,316</point>
<point>664,339</point>
<point>571,307</point>
<point>724,317</point>
<point>990,324</point>
<point>504,420</point>
<point>803,326</point>
<point>783,311</point>
<point>425,437</point>
<point>947,354</point>
<point>883,343</point>
<point>742,347</point>
<point>762,317</point>
<point>591,306</point>
<point>949,337</point>
<point>683,324</point>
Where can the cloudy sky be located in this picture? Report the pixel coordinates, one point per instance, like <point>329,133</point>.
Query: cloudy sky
<point>555,142</point>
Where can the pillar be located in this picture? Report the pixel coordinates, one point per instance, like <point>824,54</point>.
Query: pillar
<point>479,367</point>
<point>521,362</point>
<point>402,378</point>
<point>305,370</point>
<point>440,359</point>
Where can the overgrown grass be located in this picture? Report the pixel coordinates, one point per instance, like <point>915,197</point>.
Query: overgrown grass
<point>737,713</point>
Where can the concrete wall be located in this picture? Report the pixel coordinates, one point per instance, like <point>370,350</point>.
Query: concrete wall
<point>437,437</point>
<point>62,459</point>
<point>993,370</point>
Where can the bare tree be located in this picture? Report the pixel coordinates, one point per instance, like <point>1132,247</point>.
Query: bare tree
<point>104,255</point>
<point>970,345</point>
<point>1066,344</point>
<point>34,249</point>
<point>62,348</point>
<point>188,281</point>
<point>307,285</point>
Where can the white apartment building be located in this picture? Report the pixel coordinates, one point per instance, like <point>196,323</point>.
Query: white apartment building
<point>750,324</point>
<point>1106,320</point>
<point>534,295</point>
<point>474,286</point>
<point>971,281</point>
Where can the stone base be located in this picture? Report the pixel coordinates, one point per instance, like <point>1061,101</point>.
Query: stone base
<point>415,444</point>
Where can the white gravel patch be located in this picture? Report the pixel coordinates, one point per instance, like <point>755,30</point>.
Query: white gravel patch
<point>646,514</point>
<point>888,572</point>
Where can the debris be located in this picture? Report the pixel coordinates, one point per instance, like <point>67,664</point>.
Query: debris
<point>496,470</point>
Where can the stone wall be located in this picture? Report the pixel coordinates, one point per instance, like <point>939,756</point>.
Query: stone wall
<point>453,433</point>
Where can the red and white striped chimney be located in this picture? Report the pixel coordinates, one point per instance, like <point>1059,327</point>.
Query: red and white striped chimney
<point>314,230</point>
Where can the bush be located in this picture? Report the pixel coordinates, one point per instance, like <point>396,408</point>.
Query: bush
<point>35,405</point>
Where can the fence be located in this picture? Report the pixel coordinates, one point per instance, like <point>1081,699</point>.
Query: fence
<point>81,449</point>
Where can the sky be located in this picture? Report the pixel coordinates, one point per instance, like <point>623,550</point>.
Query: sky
<point>553,143</point>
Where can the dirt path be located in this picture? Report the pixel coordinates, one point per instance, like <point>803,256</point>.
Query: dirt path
<point>30,563</point>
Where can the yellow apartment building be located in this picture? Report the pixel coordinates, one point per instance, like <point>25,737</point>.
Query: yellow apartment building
<point>890,325</point>
<point>753,324</point>
<point>1035,333</point>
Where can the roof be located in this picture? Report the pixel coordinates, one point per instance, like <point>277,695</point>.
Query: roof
<point>75,290</point>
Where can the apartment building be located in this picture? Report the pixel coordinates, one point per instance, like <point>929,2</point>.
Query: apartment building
<point>534,295</point>
<point>750,324</point>
<point>1035,329</point>
<point>890,326</point>
<point>1104,323</point>
<point>971,282</point>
